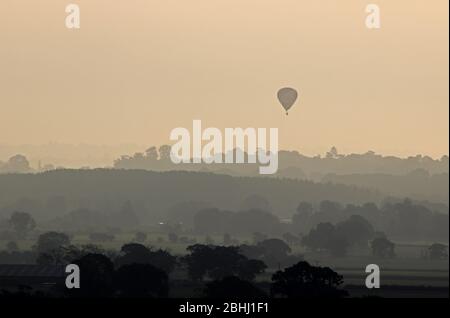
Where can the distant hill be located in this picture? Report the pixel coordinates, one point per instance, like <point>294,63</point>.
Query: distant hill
<point>295,164</point>
<point>418,184</point>
<point>55,192</point>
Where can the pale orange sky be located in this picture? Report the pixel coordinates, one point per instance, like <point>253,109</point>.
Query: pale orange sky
<point>137,69</point>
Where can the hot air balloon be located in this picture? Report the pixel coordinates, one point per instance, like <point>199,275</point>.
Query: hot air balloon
<point>287,97</point>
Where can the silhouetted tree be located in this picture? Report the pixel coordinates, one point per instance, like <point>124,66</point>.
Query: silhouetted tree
<point>75,252</point>
<point>141,280</point>
<point>251,251</point>
<point>273,250</point>
<point>248,269</point>
<point>356,230</point>
<point>438,251</point>
<point>325,237</point>
<point>66,254</point>
<point>383,248</point>
<point>164,152</point>
<point>22,223</point>
<point>333,153</point>
<point>56,256</point>
<point>302,219</point>
<point>304,280</point>
<point>96,276</point>
<point>163,259</point>
<point>134,253</point>
<point>18,164</point>
<point>218,262</point>
<point>51,241</point>
<point>232,287</point>
<point>151,154</point>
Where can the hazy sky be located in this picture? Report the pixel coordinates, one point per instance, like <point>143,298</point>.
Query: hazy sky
<point>137,69</point>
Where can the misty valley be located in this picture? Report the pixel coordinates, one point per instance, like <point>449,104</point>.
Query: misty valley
<point>209,231</point>
<point>224,158</point>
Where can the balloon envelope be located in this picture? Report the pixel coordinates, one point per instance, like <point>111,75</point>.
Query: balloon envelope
<point>287,97</point>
